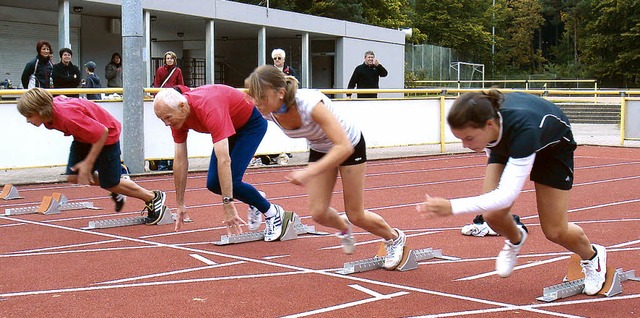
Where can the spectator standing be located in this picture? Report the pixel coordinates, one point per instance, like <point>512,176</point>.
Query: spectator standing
<point>168,75</point>
<point>367,75</point>
<point>41,66</point>
<point>65,74</point>
<point>113,71</point>
<point>279,57</point>
<point>92,80</point>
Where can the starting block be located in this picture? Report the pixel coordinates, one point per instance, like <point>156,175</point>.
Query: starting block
<point>9,192</point>
<point>575,282</point>
<point>167,218</point>
<point>51,205</point>
<point>410,259</point>
<point>292,228</point>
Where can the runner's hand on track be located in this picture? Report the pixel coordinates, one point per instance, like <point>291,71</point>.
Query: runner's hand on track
<point>232,221</point>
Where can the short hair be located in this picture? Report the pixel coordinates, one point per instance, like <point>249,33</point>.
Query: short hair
<point>36,101</point>
<point>65,49</point>
<point>42,43</point>
<point>170,97</point>
<point>172,54</point>
<point>278,52</point>
<point>369,53</point>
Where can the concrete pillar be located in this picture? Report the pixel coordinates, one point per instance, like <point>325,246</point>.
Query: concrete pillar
<point>133,82</point>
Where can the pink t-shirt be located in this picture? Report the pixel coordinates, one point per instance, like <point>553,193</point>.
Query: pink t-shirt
<point>215,109</point>
<point>84,120</point>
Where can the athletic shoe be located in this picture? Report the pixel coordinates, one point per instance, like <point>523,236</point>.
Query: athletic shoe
<point>595,271</point>
<point>274,225</point>
<point>506,260</point>
<point>395,250</point>
<point>118,199</point>
<point>156,208</point>
<point>254,216</point>
<point>347,240</point>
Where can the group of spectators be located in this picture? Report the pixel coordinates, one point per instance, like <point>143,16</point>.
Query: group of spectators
<point>42,72</point>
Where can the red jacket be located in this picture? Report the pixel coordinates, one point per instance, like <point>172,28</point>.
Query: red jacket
<point>163,72</point>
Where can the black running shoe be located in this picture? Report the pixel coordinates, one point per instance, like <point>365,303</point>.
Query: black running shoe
<point>155,208</point>
<point>118,199</point>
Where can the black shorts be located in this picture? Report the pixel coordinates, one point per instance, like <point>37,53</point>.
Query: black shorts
<point>358,156</point>
<point>107,164</point>
<point>554,166</point>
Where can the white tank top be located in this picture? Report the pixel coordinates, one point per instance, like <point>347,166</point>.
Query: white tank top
<point>317,139</point>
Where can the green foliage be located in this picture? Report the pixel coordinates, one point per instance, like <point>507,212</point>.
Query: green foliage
<point>585,38</point>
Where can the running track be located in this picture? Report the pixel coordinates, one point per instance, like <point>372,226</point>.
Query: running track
<point>50,267</point>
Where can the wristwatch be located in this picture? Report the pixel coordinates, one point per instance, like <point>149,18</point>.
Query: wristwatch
<point>227,200</point>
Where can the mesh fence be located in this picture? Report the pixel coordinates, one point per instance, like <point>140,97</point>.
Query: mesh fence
<point>429,62</point>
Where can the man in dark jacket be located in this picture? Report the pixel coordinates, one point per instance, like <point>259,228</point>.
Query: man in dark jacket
<point>65,74</point>
<point>367,75</point>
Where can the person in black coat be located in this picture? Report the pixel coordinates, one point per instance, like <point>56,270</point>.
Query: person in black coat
<point>65,74</point>
<point>367,75</point>
<point>41,66</point>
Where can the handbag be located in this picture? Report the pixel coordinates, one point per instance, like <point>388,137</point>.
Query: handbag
<point>33,82</point>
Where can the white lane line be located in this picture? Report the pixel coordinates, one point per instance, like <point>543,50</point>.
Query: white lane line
<point>483,275</point>
<point>376,297</point>
<point>203,259</point>
<point>181,271</point>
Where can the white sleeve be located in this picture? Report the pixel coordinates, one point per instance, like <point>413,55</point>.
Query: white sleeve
<point>511,183</point>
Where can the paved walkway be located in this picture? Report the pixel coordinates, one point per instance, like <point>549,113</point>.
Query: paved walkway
<point>585,134</point>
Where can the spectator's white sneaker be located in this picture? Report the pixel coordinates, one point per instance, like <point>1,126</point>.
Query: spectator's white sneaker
<point>395,250</point>
<point>506,260</point>
<point>254,216</point>
<point>595,271</point>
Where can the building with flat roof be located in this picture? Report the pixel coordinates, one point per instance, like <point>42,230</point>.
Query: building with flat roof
<point>216,41</point>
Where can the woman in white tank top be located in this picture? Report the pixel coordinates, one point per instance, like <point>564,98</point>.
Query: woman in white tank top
<point>337,146</point>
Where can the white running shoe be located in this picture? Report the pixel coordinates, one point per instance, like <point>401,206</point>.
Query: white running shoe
<point>395,250</point>
<point>595,271</point>
<point>274,225</point>
<point>254,216</point>
<point>506,260</point>
<point>347,240</point>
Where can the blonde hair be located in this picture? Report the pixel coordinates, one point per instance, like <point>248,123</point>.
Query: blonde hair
<point>36,101</point>
<point>270,77</point>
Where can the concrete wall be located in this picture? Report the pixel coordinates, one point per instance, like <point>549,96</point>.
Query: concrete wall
<point>386,123</point>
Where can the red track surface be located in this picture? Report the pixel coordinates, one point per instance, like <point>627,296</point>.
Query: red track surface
<point>50,267</point>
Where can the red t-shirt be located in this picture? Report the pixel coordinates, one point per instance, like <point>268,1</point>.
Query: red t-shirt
<point>163,72</point>
<point>215,109</point>
<point>84,120</point>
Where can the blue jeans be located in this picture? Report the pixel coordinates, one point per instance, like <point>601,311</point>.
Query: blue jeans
<point>242,147</point>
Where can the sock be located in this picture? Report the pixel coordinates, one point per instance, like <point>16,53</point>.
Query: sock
<point>271,213</point>
<point>594,254</point>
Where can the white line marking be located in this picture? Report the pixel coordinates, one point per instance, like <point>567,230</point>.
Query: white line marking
<point>376,297</point>
<point>203,259</point>
<point>186,270</point>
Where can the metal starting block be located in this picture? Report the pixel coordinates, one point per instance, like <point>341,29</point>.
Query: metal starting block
<point>51,205</point>
<point>9,192</point>
<point>292,228</point>
<point>167,218</point>
<point>575,282</point>
<point>410,259</point>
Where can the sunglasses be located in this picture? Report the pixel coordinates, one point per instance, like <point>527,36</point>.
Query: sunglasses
<point>277,58</point>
